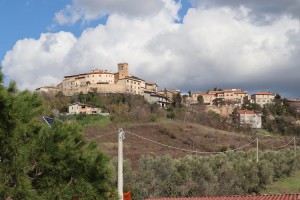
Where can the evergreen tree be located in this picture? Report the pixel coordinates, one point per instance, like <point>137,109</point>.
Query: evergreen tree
<point>38,162</point>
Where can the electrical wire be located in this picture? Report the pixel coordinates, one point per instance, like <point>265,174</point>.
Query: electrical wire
<point>279,147</point>
<point>187,150</point>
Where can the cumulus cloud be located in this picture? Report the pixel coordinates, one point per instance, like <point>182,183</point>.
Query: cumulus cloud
<point>87,10</point>
<point>213,46</point>
<point>34,63</point>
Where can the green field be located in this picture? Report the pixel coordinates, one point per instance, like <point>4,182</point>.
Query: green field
<point>285,186</point>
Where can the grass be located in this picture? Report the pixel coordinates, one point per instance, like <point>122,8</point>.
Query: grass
<point>90,120</point>
<point>285,186</point>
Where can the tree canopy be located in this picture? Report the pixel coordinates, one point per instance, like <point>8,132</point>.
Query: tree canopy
<point>38,162</point>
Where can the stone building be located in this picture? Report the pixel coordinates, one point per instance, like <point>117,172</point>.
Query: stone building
<point>102,81</point>
<point>263,98</point>
<point>248,118</point>
<point>228,96</point>
<point>80,108</point>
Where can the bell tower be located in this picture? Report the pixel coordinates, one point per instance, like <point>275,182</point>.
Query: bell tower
<point>123,70</point>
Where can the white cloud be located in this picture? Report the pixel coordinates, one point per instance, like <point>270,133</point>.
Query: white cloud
<point>35,63</point>
<point>88,10</point>
<point>212,47</point>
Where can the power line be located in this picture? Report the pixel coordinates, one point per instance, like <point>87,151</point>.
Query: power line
<point>279,147</point>
<point>187,150</point>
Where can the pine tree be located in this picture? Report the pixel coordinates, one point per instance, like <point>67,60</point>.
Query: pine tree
<point>38,162</point>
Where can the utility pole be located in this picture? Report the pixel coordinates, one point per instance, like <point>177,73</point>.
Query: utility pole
<point>121,137</point>
<point>295,146</point>
<point>256,150</point>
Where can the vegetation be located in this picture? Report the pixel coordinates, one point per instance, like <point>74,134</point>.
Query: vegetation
<point>38,162</point>
<point>223,174</point>
<point>280,117</point>
<point>289,185</point>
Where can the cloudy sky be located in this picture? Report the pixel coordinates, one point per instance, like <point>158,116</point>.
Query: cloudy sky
<point>188,45</point>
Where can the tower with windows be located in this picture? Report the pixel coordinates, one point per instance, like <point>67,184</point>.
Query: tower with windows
<point>123,70</point>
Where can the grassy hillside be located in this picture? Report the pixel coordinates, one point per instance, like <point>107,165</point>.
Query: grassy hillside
<point>285,186</point>
<point>175,133</point>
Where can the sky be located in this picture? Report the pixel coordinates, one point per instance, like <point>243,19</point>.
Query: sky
<point>190,45</point>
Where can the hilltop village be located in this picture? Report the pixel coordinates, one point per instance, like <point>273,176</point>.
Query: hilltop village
<point>102,81</point>
<point>221,101</point>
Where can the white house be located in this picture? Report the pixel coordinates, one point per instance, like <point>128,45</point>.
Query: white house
<point>153,97</point>
<point>80,108</point>
<point>249,118</point>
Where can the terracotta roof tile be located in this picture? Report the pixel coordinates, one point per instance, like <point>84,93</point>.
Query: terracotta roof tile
<point>249,197</point>
<point>264,93</point>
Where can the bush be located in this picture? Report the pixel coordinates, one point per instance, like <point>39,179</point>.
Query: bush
<point>223,174</point>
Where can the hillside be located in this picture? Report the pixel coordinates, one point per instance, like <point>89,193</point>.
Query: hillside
<point>175,133</point>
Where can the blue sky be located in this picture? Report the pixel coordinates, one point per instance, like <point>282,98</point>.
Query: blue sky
<point>29,18</point>
<point>214,43</point>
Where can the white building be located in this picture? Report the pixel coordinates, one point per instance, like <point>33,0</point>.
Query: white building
<point>153,97</point>
<point>80,108</point>
<point>249,118</point>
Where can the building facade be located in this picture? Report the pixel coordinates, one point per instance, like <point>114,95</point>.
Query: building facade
<point>102,81</point>
<point>80,108</point>
<point>153,97</point>
<point>228,96</point>
<point>248,118</point>
<point>263,98</point>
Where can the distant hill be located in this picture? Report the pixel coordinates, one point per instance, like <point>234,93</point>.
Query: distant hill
<point>175,133</point>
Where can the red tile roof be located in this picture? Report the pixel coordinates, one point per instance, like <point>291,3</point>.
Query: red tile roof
<point>264,93</point>
<point>248,197</point>
<point>293,100</point>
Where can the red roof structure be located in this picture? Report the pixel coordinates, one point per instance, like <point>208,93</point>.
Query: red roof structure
<point>264,93</point>
<point>248,197</point>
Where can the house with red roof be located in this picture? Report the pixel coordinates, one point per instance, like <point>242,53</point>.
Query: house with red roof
<point>248,118</point>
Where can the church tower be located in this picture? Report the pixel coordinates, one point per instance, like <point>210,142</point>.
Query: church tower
<point>123,70</point>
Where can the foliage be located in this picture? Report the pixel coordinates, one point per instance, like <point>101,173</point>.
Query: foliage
<point>223,174</point>
<point>200,99</point>
<point>219,102</point>
<point>38,162</point>
<point>177,101</point>
<point>252,106</point>
<point>280,117</point>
